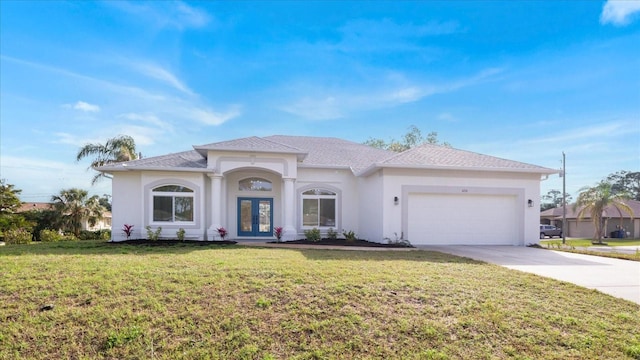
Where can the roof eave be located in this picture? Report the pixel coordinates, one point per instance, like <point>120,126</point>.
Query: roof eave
<point>153,168</point>
<point>204,151</point>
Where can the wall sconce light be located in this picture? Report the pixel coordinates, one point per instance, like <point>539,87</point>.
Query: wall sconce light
<point>396,200</point>
<point>530,203</point>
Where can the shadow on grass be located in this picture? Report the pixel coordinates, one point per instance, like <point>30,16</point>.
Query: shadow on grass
<point>168,248</point>
<point>367,255</point>
<point>91,247</point>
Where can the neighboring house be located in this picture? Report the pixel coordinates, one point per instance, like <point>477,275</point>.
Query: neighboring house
<point>584,228</point>
<point>103,224</point>
<point>428,195</point>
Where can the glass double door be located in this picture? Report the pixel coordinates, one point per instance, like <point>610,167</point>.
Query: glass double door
<point>255,217</point>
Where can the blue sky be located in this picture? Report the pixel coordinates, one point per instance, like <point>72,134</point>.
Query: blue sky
<point>523,80</point>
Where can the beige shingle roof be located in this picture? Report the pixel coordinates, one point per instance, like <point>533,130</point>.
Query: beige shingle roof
<point>333,153</point>
<point>254,143</point>
<point>185,160</point>
<point>437,156</point>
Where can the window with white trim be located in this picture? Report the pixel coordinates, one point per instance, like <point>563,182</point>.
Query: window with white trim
<point>319,208</point>
<point>255,184</point>
<point>172,203</point>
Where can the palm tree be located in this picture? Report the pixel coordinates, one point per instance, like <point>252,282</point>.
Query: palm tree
<point>594,201</point>
<point>118,149</point>
<point>72,206</point>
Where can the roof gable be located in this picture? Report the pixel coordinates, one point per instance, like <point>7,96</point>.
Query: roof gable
<point>253,144</point>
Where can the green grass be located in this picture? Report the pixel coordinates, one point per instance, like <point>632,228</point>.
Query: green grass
<point>191,302</point>
<point>588,242</point>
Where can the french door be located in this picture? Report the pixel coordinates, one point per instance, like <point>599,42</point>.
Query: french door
<point>255,217</point>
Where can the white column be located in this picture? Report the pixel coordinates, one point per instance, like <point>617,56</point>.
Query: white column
<point>216,205</point>
<point>289,204</point>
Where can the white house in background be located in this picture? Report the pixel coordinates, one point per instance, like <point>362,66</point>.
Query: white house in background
<point>429,194</point>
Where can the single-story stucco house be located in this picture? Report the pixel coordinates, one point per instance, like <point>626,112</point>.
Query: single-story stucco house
<point>429,194</point>
<point>584,228</point>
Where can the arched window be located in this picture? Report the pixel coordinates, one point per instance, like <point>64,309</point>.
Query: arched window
<point>172,203</point>
<point>319,208</point>
<point>254,184</point>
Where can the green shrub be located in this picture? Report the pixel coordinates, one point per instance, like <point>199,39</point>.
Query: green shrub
<point>180,234</point>
<point>104,234</point>
<point>332,234</point>
<point>312,234</point>
<point>47,235</point>
<point>17,236</point>
<point>349,235</point>
<point>153,235</point>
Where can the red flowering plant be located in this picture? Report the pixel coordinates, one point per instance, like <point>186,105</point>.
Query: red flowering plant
<point>222,232</point>
<point>128,230</point>
<point>278,231</point>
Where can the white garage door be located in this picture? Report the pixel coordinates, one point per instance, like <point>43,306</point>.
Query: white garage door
<point>462,219</point>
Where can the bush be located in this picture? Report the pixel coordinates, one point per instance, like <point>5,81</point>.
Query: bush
<point>332,234</point>
<point>180,234</point>
<point>153,235</point>
<point>312,234</point>
<point>17,236</point>
<point>47,235</point>
<point>95,235</point>
<point>349,235</point>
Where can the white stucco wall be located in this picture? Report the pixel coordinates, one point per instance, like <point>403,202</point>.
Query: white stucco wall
<point>370,221</point>
<point>126,205</point>
<point>395,179</point>
<point>132,203</point>
<point>342,180</point>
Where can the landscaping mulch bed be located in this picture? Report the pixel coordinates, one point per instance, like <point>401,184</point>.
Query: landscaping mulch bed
<point>145,242</point>
<point>342,242</point>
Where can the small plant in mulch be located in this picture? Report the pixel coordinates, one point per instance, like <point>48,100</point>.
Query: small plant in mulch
<point>222,232</point>
<point>128,230</point>
<point>153,235</point>
<point>332,234</point>
<point>350,236</point>
<point>278,232</point>
<point>180,234</point>
<point>312,235</point>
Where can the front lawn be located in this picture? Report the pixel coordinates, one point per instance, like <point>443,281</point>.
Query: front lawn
<point>231,302</point>
<point>588,242</point>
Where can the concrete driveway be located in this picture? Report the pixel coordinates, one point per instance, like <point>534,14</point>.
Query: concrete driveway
<point>619,278</point>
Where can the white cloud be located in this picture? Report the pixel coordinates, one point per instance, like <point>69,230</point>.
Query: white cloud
<point>159,73</point>
<point>619,12</point>
<point>209,117</point>
<point>165,14</point>
<point>28,173</point>
<point>69,139</point>
<point>390,91</point>
<point>82,106</point>
<point>149,119</point>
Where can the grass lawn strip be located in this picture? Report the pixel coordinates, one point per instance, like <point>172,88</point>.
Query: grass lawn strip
<point>185,302</point>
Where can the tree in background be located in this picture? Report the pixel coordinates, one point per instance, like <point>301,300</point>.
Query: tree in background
<point>9,200</point>
<point>412,138</point>
<point>9,204</point>
<point>73,206</point>
<point>553,199</point>
<point>593,201</point>
<point>118,149</point>
<point>627,182</point>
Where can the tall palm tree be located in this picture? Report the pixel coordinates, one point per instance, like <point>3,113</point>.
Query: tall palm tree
<point>118,149</point>
<point>594,201</point>
<point>72,206</point>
